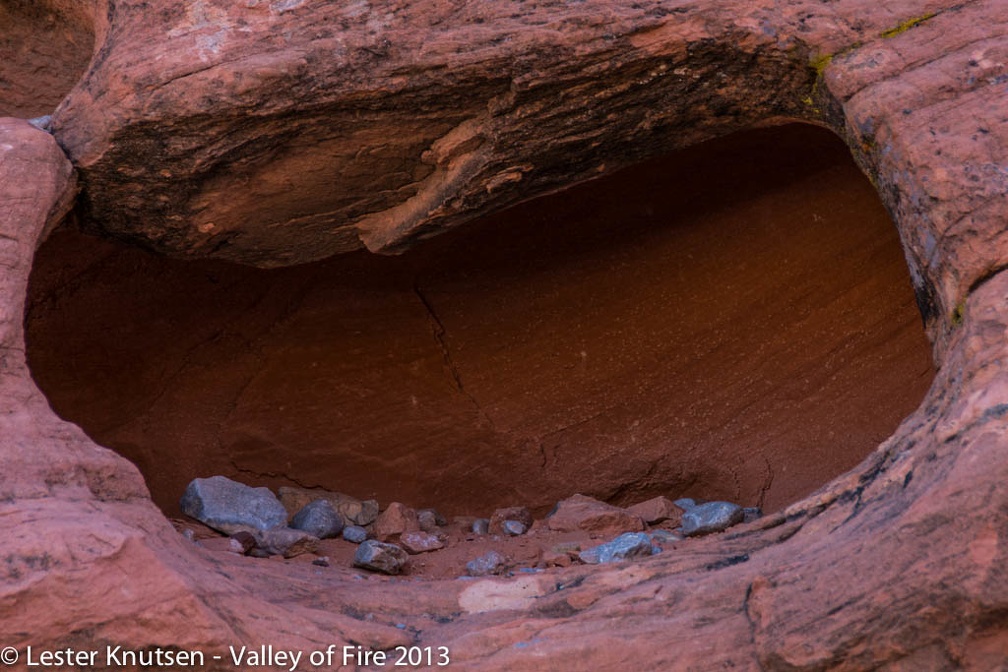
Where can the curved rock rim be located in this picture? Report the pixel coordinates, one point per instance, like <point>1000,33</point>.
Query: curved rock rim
<point>848,578</point>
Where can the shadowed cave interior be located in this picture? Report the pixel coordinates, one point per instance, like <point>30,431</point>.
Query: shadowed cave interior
<point>734,321</point>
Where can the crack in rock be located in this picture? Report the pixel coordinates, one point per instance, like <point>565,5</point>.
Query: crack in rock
<point>439,332</point>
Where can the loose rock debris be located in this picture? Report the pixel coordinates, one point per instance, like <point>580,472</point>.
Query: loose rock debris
<point>334,529</point>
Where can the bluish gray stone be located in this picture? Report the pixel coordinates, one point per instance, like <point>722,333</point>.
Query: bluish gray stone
<point>430,520</point>
<point>354,534</point>
<point>481,526</point>
<point>685,503</point>
<point>229,506</point>
<point>488,563</point>
<point>751,513</point>
<point>42,123</point>
<point>711,517</point>
<point>513,528</point>
<point>379,556</point>
<point>624,547</point>
<point>318,519</point>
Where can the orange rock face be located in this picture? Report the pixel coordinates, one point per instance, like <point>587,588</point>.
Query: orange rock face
<point>210,129</point>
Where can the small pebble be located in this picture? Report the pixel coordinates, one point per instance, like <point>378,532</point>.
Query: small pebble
<point>242,542</point>
<point>381,557</point>
<point>420,542</point>
<point>481,526</point>
<point>285,541</point>
<point>430,520</point>
<point>513,528</point>
<point>685,503</point>
<point>711,517</point>
<point>189,534</point>
<point>318,519</point>
<point>751,513</point>
<point>322,561</point>
<point>355,534</point>
<point>624,547</point>
<point>42,123</point>
<point>488,563</point>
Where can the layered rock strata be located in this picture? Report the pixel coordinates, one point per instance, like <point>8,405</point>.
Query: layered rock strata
<point>897,565</point>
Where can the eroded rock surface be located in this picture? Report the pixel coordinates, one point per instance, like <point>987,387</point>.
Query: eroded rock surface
<point>847,578</point>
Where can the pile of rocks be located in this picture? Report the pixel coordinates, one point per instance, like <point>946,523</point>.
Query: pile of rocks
<point>294,521</point>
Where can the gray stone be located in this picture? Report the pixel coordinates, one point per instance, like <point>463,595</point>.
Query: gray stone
<point>481,526</point>
<point>285,541</point>
<point>379,556</point>
<point>513,528</point>
<point>624,547</point>
<point>42,123</point>
<point>319,519</point>
<point>229,506</point>
<point>751,513</point>
<point>430,520</point>
<point>711,517</point>
<point>354,534</point>
<point>488,563</point>
<point>685,503</point>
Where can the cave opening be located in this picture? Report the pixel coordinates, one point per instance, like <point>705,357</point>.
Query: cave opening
<point>734,321</point>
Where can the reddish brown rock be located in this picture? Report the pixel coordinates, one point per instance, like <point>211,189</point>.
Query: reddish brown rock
<point>849,577</point>
<point>590,515</point>
<point>658,509</point>
<point>355,511</point>
<point>285,541</point>
<point>395,520</point>
<point>79,528</point>
<point>420,542</point>
<point>44,50</point>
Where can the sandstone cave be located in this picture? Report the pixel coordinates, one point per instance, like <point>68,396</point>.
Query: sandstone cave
<point>625,249</point>
<point>734,321</point>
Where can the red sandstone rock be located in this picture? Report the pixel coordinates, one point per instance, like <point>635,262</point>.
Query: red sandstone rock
<point>395,520</point>
<point>590,515</point>
<point>533,400</point>
<point>848,578</point>
<point>657,510</point>
<point>420,542</point>
<point>352,509</point>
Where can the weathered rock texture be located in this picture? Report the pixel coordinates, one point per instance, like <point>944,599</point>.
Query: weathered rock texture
<point>898,565</point>
<point>589,342</point>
